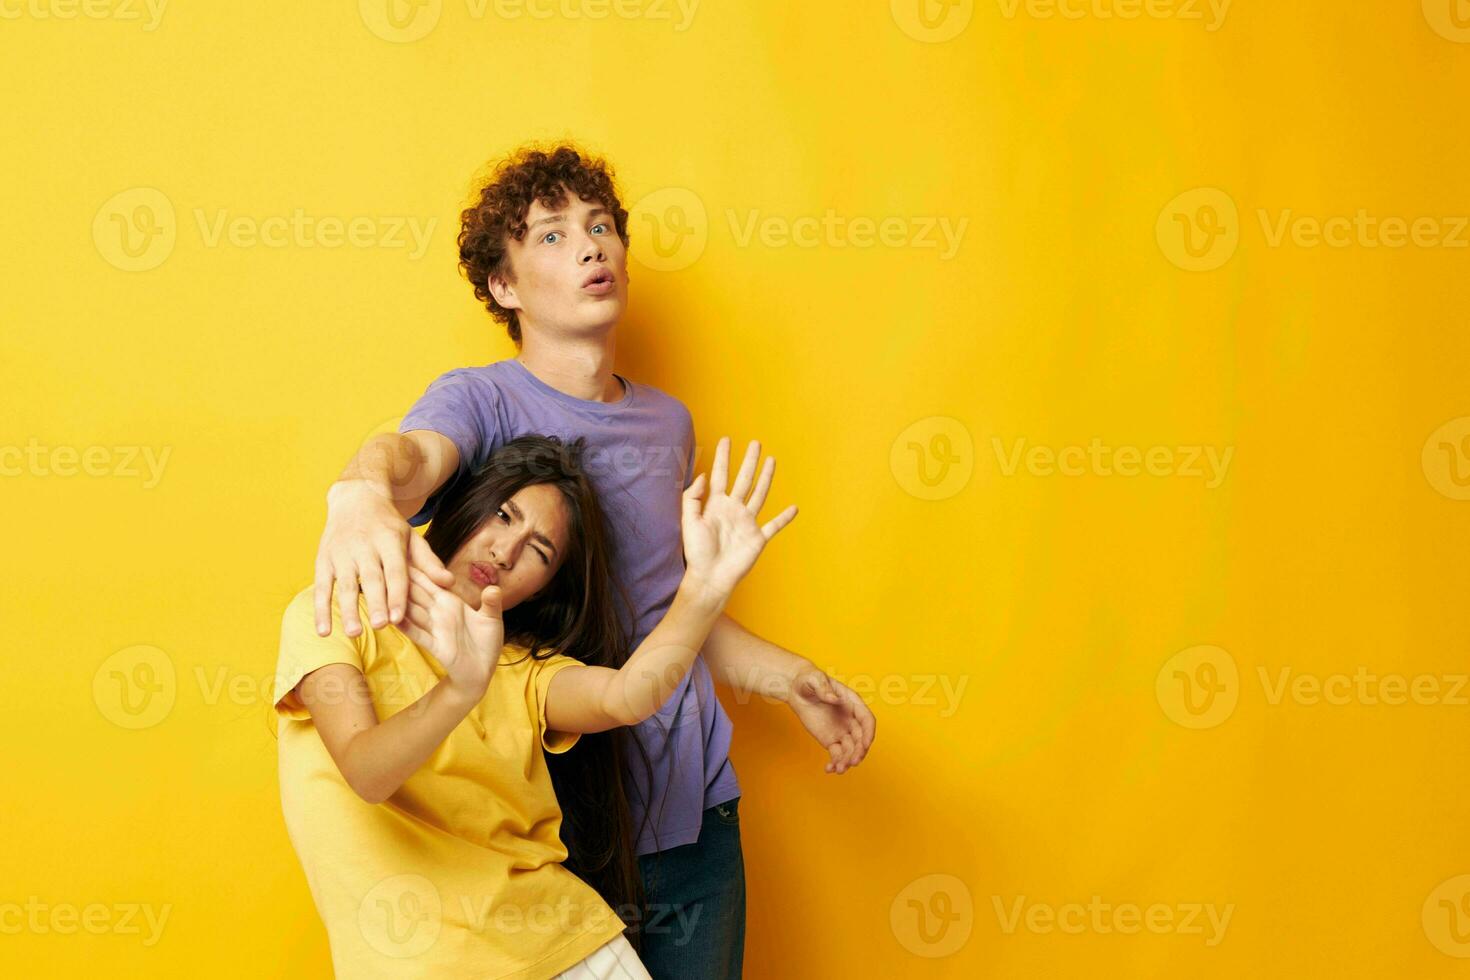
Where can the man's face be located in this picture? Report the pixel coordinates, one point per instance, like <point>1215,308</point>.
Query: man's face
<point>564,247</point>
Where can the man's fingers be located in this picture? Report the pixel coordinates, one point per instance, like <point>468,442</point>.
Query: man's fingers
<point>741,487</point>
<point>775,524</point>
<point>846,761</point>
<point>370,580</point>
<point>322,597</point>
<point>859,747</point>
<point>865,719</point>
<point>347,600</point>
<point>395,576</point>
<point>834,751</point>
<point>421,556</point>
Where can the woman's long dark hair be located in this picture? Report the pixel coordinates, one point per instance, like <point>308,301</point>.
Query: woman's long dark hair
<point>577,613</point>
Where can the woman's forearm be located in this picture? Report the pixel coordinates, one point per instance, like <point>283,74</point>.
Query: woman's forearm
<point>653,672</point>
<point>377,760</point>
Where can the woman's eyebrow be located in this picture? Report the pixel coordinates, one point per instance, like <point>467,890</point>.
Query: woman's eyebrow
<point>535,535</point>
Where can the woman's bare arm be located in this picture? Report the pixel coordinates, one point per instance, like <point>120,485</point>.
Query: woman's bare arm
<point>376,758</point>
<point>722,540</point>
<point>594,699</point>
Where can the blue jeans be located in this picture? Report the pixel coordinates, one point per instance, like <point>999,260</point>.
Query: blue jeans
<point>696,899</point>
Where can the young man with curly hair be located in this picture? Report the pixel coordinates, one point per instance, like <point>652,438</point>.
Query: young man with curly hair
<point>545,247</point>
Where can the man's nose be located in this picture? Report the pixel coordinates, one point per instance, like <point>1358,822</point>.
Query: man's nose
<point>592,251</point>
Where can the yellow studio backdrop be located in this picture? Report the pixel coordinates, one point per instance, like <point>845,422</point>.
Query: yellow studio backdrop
<point>1114,350</point>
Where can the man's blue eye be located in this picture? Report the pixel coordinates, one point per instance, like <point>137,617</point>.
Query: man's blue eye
<point>549,234</point>
<point>600,224</point>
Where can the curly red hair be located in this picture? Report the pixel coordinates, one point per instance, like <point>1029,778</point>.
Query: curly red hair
<point>499,213</point>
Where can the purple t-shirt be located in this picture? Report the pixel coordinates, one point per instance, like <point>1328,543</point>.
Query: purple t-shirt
<point>640,458</point>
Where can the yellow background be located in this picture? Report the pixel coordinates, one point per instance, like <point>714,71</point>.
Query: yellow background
<point>1334,542</point>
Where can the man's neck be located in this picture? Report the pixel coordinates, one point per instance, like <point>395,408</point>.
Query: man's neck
<point>582,368</point>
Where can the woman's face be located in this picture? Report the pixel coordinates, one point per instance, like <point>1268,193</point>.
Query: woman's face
<point>519,548</point>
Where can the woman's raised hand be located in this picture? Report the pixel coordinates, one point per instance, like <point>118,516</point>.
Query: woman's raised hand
<point>465,641</point>
<point>722,538</point>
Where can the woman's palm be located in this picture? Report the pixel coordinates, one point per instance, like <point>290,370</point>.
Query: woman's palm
<point>724,537</point>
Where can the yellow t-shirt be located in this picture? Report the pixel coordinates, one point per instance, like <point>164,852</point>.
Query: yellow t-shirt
<point>459,873</point>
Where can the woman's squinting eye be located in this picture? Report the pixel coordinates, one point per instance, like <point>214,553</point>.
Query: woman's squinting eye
<point>500,513</point>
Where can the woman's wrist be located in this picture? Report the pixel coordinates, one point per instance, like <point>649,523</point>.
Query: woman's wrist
<point>460,697</point>
<point>701,594</point>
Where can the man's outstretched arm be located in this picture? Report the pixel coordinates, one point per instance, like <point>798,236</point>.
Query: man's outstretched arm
<point>834,715</point>
<point>367,544</point>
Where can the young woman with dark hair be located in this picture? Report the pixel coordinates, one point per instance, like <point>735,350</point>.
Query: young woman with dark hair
<point>414,776</point>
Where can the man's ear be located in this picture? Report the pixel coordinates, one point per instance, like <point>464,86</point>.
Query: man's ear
<point>503,292</point>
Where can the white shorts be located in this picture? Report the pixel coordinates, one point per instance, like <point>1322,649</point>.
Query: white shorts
<point>613,960</point>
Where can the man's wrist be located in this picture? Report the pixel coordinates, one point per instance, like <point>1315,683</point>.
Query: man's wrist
<point>790,675</point>
<point>347,488</point>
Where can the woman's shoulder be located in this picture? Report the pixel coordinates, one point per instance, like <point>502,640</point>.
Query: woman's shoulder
<point>302,609</point>
<point>518,659</point>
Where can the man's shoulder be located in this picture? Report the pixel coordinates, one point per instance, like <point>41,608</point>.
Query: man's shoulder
<point>484,380</point>
<point>660,399</point>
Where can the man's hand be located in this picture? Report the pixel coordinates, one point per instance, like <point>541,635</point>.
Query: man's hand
<point>367,546</point>
<point>835,716</point>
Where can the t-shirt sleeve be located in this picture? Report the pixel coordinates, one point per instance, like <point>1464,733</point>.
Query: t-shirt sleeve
<point>554,742</point>
<point>303,651</point>
<point>462,408</point>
